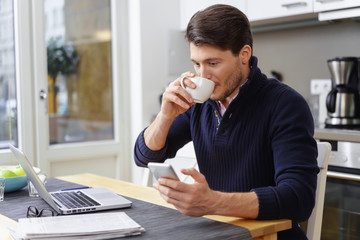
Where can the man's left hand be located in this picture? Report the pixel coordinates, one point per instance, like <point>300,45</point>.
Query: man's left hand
<point>195,199</point>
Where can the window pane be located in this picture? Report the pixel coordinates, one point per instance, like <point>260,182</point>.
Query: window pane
<point>78,37</point>
<point>8,109</point>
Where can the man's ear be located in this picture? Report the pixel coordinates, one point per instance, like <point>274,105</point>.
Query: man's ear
<point>245,54</point>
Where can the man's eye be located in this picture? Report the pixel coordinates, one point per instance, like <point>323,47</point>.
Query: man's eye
<point>213,63</point>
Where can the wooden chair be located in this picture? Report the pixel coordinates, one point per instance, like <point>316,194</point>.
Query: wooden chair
<point>315,221</point>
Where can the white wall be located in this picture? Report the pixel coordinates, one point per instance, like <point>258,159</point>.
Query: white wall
<point>300,54</point>
<point>155,20</point>
<point>156,28</point>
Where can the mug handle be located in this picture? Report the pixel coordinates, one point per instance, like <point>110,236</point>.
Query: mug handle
<point>182,81</point>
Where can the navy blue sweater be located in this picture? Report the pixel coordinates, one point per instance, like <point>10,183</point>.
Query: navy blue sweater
<point>264,143</point>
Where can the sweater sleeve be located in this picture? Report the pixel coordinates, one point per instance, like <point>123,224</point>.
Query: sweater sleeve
<point>178,136</point>
<point>295,164</point>
<point>143,155</point>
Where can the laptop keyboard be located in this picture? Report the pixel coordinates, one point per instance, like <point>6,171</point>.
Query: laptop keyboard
<point>75,199</point>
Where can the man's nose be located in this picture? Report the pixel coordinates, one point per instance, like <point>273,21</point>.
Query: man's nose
<point>204,72</point>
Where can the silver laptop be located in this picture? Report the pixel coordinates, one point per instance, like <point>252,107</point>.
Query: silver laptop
<point>72,201</point>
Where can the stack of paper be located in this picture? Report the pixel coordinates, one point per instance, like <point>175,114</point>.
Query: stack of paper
<point>84,226</point>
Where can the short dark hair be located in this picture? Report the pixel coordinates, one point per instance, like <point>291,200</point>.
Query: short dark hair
<point>220,25</point>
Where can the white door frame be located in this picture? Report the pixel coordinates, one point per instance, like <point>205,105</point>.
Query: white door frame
<point>33,20</point>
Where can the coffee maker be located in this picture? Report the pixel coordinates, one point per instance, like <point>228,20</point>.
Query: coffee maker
<point>343,101</point>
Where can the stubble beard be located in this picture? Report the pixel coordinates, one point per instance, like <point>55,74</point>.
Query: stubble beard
<point>231,84</point>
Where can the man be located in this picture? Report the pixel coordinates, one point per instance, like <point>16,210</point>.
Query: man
<point>252,138</point>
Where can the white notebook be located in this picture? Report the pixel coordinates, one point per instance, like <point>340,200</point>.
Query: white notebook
<point>80,226</point>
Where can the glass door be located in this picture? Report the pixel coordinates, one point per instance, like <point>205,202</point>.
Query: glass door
<point>79,66</point>
<point>15,81</point>
<point>79,88</point>
<point>8,103</point>
<point>16,113</point>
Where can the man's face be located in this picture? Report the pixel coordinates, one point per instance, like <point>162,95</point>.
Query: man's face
<point>220,66</point>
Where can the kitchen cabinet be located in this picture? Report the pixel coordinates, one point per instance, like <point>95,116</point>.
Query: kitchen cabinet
<point>189,7</point>
<point>329,5</point>
<point>264,9</point>
<point>265,12</point>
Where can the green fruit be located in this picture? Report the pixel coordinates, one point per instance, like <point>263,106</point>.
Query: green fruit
<point>7,173</point>
<point>19,171</point>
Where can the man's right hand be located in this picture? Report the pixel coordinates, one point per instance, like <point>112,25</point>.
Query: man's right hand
<point>175,99</point>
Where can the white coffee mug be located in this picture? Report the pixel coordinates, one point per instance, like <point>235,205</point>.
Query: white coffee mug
<point>203,90</point>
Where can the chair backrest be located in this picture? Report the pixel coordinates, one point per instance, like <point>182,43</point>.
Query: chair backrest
<point>315,221</point>
<point>185,158</point>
